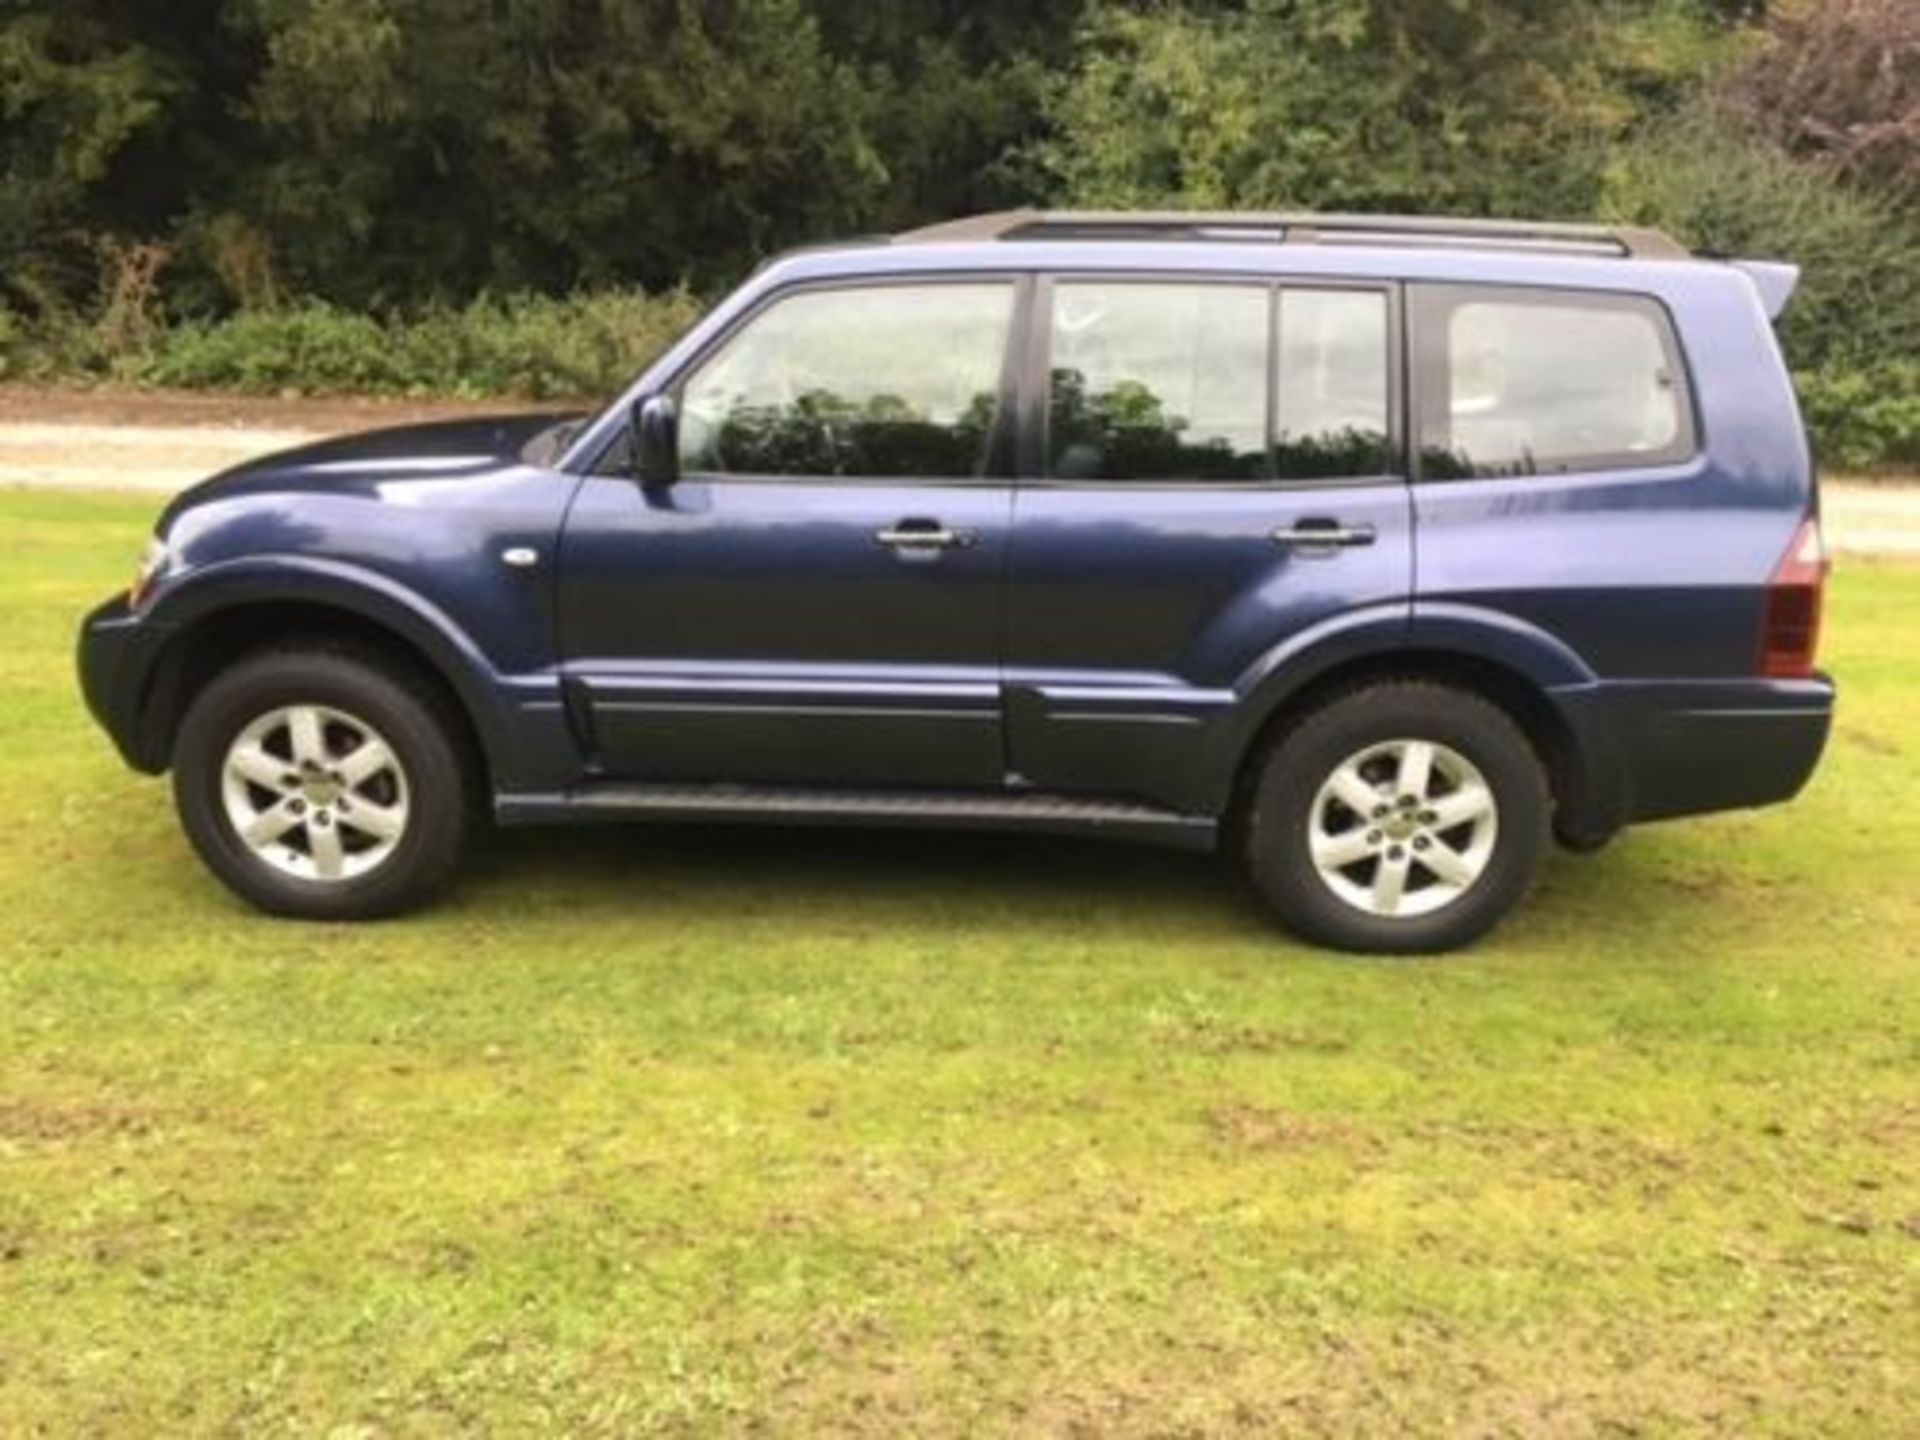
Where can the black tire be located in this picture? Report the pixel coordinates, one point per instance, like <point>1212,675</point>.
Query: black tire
<point>1576,842</point>
<point>407,713</point>
<point>1281,808</point>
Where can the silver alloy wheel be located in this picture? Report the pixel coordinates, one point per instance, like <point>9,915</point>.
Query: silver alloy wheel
<point>1403,828</point>
<point>315,793</point>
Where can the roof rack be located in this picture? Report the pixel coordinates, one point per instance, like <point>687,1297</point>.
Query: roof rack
<point>1300,228</point>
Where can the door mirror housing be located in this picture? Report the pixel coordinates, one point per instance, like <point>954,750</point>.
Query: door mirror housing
<point>656,440</point>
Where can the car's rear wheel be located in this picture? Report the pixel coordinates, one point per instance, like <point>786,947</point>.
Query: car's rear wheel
<point>1402,817</point>
<point>322,784</point>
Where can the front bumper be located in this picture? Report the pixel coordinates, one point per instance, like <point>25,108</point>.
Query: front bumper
<point>118,657</point>
<point>1659,749</point>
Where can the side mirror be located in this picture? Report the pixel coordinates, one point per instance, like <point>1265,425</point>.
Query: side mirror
<point>656,441</point>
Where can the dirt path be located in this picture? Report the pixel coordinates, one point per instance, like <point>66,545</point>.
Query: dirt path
<point>135,440</point>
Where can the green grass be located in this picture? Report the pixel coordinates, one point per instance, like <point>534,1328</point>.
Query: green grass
<point>715,1130</point>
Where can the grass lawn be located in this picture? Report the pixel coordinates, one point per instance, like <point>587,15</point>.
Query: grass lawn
<point>734,1130</point>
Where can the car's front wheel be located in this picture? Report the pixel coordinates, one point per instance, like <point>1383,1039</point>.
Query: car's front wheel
<point>1402,817</point>
<point>322,784</point>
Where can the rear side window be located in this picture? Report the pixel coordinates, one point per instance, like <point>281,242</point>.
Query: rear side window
<point>1155,381</point>
<point>1525,382</point>
<point>1331,400</point>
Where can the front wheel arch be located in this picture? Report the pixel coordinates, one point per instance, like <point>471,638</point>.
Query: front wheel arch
<point>217,640</point>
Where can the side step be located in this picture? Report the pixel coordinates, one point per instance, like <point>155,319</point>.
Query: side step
<point>794,805</point>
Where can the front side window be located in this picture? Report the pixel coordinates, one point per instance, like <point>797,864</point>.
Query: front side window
<point>1151,381</point>
<point>1541,382</point>
<point>890,381</point>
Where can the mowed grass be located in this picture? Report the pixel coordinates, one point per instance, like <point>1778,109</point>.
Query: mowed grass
<point>784,1132</point>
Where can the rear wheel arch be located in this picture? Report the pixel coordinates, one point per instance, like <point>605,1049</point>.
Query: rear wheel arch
<point>1521,698</point>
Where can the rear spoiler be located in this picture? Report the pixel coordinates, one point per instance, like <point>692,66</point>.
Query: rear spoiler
<point>1774,279</point>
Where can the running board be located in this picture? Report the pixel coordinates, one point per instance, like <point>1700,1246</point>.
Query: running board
<point>790,805</point>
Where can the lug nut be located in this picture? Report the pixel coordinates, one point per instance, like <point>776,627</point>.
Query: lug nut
<point>298,807</point>
<point>1396,853</point>
<point>1420,842</point>
<point>1373,837</point>
<point>322,819</point>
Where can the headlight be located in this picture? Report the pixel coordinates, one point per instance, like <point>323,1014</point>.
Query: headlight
<point>153,564</point>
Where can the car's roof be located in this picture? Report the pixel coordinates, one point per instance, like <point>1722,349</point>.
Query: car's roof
<point>1327,247</point>
<point>1298,227</point>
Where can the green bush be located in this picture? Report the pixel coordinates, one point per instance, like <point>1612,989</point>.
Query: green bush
<point>522,345</point>
<point>1865,417</point>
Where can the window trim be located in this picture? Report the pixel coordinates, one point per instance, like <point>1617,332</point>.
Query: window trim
<point>999,469</point>
<point>1427,380</point>
<point>1036,407</point>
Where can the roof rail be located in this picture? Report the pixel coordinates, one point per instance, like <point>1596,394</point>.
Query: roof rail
<point>1302,228</point>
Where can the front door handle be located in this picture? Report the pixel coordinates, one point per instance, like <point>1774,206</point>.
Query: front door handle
<point>923,535</point>
<point>1323,534</point>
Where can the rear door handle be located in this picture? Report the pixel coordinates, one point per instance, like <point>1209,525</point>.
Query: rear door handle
<point>1319,534</point>
<point>923,535</point>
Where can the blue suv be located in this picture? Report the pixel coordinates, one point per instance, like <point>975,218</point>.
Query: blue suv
<point>1371,551</point>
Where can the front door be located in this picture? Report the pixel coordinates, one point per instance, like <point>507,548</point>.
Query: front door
<point>816,599</point>
<point>1212,474</point>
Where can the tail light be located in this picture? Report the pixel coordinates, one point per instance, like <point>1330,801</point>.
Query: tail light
<point>1792,629</point>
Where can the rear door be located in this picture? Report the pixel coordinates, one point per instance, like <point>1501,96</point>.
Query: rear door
<point>1212,469</point>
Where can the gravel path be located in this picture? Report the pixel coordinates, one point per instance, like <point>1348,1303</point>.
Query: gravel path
<point>160,444</point>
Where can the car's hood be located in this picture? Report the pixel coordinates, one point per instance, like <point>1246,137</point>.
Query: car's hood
<point>441,450</point>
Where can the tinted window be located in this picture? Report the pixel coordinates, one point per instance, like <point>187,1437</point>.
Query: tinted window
<point>1330,410</point>
<point>1157,382</point>
<point>894,380</point>
<point>1516,383</point>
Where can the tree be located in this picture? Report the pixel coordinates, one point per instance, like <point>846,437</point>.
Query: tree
<point>1839,83</point>
<point>1499,106</point>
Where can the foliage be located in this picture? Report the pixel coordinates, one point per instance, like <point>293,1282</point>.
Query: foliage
<point>76,92</point>
<point>387,152</point>
<point>524,345</point>
<point>1500,107</point>
<point>1864,416</point>
<point>1839,81</point>
<point>705,1132</point>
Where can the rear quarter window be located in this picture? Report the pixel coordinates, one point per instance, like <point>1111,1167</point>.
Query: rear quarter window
<point>1514,382</point>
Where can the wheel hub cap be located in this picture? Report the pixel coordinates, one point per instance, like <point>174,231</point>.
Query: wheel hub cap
<point>315,792</point>
<point>1403,828</point>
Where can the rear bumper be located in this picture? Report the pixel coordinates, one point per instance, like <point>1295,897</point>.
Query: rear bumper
<point>118,655</point>
<point>1652,750</point>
